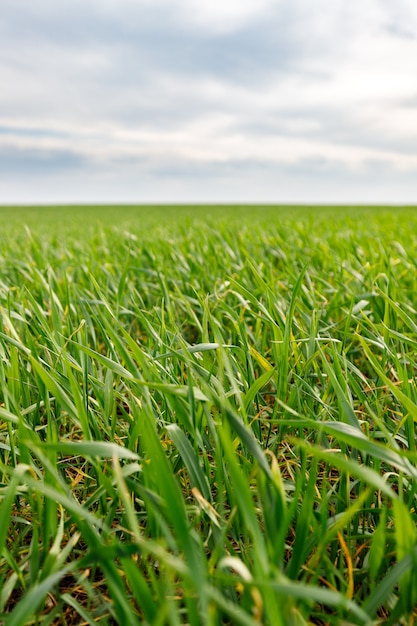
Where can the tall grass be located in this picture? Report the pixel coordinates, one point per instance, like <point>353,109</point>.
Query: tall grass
<point>207,416</point>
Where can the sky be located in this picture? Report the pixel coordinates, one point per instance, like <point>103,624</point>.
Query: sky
<point>183,101</point>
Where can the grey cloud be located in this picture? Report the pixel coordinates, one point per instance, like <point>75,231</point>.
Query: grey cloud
<point>110,63</point>
<point>23,162</point>
<point>409,103</point>
<point>305,180</point>
<point>24,131</point>
<point>92,65</point>
<point>317,168</point>
<point>151,39</point>
<point>400,31</point>
<point>325,123</point>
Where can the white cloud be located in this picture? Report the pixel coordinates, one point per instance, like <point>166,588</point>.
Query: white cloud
<point>190,86</point>
<point>220,16</point>
<point>214,17</point>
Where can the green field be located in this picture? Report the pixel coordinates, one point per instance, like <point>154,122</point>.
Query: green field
<point>208,416</point>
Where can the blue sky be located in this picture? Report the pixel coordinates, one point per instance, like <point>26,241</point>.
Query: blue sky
<point>190,101</point>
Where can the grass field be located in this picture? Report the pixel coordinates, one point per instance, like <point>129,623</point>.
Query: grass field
<point>208,416</point>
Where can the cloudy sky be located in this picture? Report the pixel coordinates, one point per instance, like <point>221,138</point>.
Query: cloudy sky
<point>208,101</point>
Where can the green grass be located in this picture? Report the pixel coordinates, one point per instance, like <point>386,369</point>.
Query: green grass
<point>207,416</point>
